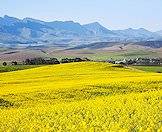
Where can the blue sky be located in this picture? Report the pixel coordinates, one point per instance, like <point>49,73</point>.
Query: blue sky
<point>114,14</point>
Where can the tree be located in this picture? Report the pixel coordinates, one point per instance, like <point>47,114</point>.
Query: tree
<point>14,62</point>
<point>86,59</point>
<point>77,60</point>
<point>54,61</point>
<point>65,60</point>
<point>4,63</point>
<point>27,62</point>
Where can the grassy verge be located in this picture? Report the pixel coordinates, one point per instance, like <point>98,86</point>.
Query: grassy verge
<point>157,69</point>
<point>16,68</point>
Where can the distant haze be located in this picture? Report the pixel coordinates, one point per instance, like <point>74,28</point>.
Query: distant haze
<point>113,14</point>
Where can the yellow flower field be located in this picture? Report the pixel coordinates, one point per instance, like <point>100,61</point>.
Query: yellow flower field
<point>87,96</point>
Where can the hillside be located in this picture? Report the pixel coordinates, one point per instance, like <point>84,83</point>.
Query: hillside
<point>101,45</point>
<point>85,96</point>
<point>94,51</point>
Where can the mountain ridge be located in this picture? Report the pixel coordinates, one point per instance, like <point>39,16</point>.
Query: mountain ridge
<point>31,31</point>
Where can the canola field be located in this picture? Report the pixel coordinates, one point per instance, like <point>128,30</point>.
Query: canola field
<point>86,96</point>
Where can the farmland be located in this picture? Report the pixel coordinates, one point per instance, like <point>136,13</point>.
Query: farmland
<point>114,52</point>
<point>86,96</point>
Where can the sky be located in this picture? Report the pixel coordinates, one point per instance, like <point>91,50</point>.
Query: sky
<point>113,14</point>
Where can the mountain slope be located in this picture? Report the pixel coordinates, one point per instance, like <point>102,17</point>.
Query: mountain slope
<point>159,32</point>
<point>152,44</point>
<point>68,27</point>
<point>98,30</point>
<point>140,34</point>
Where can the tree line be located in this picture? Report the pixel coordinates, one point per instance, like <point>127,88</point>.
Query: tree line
<point>50,61</point>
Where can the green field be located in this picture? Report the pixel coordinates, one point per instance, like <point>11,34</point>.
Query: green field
<point>157,69</point>
<point>16,68</point>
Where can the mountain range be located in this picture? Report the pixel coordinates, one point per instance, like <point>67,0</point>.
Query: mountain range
<point>28,31</point>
